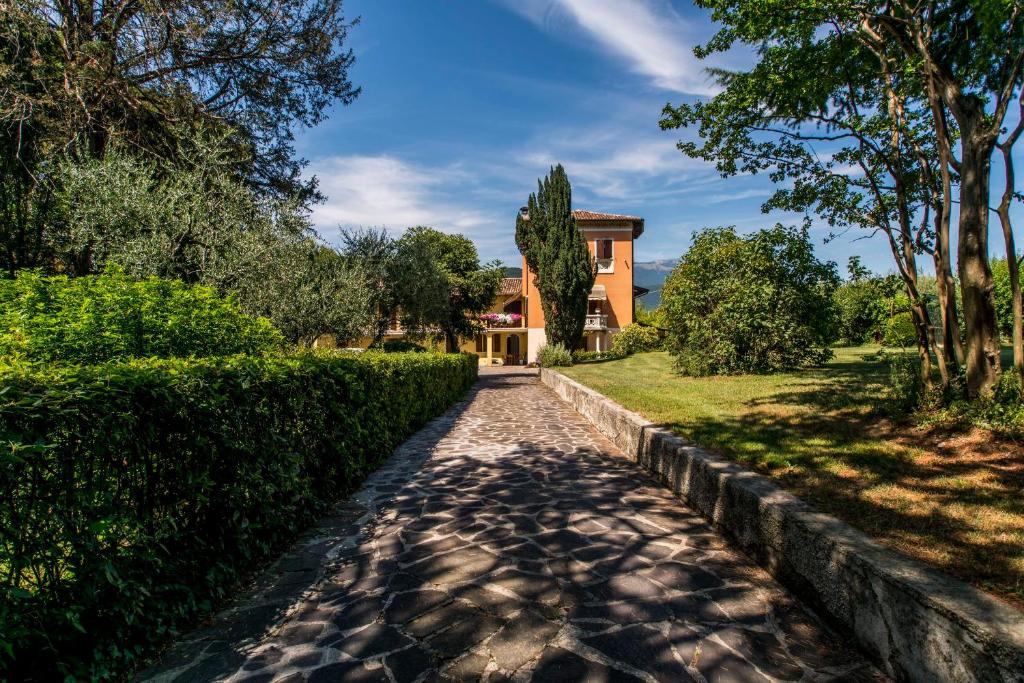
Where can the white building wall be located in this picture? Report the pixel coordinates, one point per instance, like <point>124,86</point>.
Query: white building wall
<point>535,338</point>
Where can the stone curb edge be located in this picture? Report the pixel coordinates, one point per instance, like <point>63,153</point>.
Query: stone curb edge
<point>917,622</point>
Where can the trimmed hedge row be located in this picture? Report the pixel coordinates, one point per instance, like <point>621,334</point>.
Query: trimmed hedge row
<point>133,496</point>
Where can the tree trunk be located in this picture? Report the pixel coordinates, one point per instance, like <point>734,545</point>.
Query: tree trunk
<point>924,335</point>
<point>906,263</point>
<point>1012,264</point>
<point>451,341</point>
<point>952,344</point>
<point>982,357</point>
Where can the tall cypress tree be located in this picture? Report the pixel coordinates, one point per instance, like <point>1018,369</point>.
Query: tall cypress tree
<point>556,251</point>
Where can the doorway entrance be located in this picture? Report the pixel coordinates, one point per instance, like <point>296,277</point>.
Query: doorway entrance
<point>512,354</point>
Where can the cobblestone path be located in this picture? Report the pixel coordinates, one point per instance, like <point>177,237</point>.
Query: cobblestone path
<point>512,541</point>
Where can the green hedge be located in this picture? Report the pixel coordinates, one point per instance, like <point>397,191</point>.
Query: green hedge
<point>133,496</point>
<point>635,338</point>
<point>589,356</point>
<point>97,318</point>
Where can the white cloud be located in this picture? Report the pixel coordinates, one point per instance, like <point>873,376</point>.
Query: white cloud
<point>649,35</point>
<point>621,168</point>
<point>737,196</point>
<point>849,170</point>
<point>384,191</point>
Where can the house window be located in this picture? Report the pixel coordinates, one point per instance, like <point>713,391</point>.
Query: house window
<point>481,343</point>
<point>604,254</point>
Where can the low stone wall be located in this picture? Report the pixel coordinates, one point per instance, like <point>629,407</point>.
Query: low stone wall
<point>918,623</point>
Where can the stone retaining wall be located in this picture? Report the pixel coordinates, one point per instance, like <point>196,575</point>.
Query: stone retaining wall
<point>918,623</point>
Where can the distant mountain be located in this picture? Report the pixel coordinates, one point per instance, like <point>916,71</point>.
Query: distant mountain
<point>651,275</point>
<point>513,272</point>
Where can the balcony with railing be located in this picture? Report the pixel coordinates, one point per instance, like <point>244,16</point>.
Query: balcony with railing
<point>506,321</point>
<point>596,322</point>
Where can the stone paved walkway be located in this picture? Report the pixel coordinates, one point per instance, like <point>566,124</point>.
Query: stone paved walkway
<point>510,540</point>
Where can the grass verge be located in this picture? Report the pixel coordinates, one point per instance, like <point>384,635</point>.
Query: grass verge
<point>950,498</point>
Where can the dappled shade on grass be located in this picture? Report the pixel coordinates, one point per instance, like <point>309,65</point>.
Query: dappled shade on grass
<point>951,499</point>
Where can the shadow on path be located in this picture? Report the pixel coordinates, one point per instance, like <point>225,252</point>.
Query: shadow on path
<point>510,540</point>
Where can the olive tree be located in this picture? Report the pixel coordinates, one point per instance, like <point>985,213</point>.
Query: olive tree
<point>454,287</point>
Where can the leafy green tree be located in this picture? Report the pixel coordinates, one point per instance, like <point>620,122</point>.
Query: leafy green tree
<point>890,88</point>
<point>420,290</point>
<point>652,317</point>
<point>898,331</point>
<point>469,288</point>
<point>970,58</point>
<point>308,290</point>
<point>863,303</point>
<point>375,251</point>
<point>408,287</point>
<point>635,338</point>
<point>857,270</point>
<point>1004,296</point>
<point>99,71</point>
<point>757,303</point>
<point>199,224</point>
<point>204,225</point>
<point>97,318</point>
<point>556,251</point>
<point>838,139</point>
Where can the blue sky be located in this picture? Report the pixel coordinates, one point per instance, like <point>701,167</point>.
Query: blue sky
<point>466,103</point>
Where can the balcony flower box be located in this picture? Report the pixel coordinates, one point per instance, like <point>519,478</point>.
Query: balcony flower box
<point>501,319</point>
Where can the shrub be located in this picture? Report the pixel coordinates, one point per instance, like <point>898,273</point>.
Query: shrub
<point>587,356</point>
<point>906,386</point>
<point>1002,411</point>
<point>634,338</point>
<point>553,356</point>
<point>757,303</point>
<point>899,331</point>
<point>134,495</point>
<point>97,318</point>
<point>863,305</point>
<point>1003,296</point>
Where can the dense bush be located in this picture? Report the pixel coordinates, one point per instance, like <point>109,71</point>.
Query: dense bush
<point>102,317</point>
<point>134,495</point>
<point>1001,412</point>
<point>863,306</point>
<point>1003,295</point>
<point>899,330</point>
<point>553,356</point>
<point>906,385</point>
<point>634,338</point>
<point>651,317</point>
<point>756,303</point>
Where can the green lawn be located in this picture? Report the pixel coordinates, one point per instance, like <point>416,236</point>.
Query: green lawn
<point>952,499</point>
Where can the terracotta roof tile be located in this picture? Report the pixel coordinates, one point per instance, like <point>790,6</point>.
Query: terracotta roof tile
<point>584,215</point>
<point>510,286</point>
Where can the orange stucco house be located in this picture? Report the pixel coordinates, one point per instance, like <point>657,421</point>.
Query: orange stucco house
<point>515,325</point>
